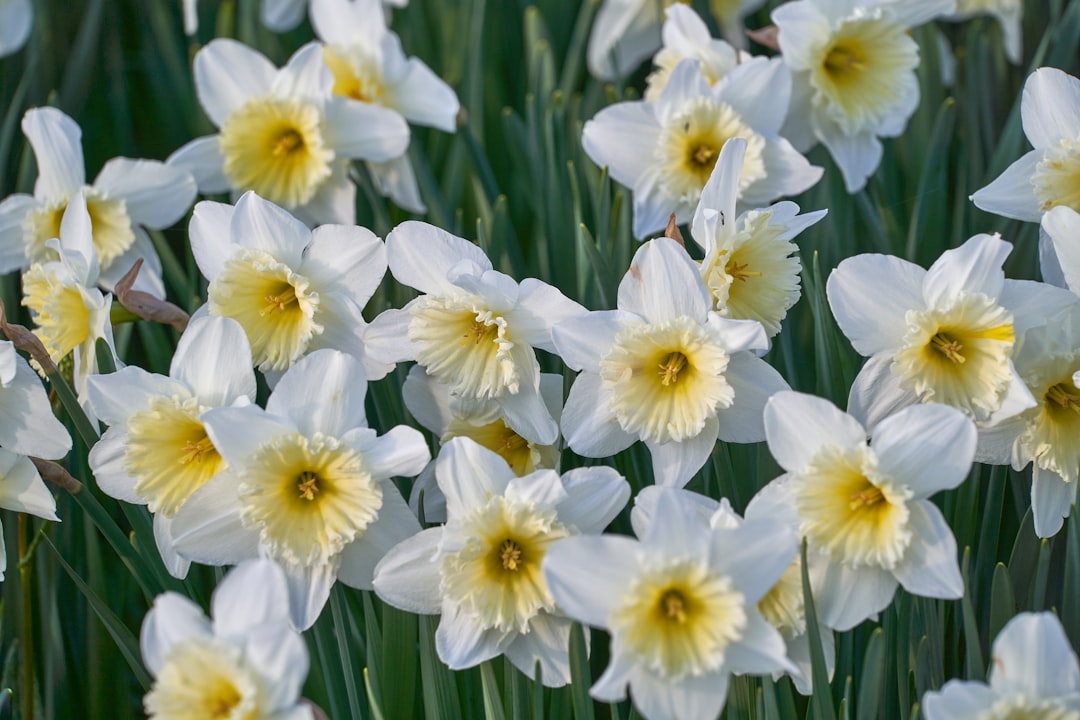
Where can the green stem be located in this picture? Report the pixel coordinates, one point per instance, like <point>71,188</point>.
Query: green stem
<point>27,630</point>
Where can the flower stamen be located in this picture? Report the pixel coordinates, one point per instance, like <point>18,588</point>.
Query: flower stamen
<point>1064,395</point>
<point>308,485</point>
<point>948,347</point>
<point>671,367</point>
<point>510,553</point>
<point>673,606</point>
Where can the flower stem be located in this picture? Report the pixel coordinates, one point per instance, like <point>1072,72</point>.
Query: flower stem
<point>27,639</point>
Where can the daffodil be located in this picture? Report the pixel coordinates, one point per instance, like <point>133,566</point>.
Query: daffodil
<point>156,451</point>
<point>70,313</point>
<point>685,35</point>
<point>677,141</point>
<point>16,21</point>
<point>482,570</point>
<point>751,266</point>
<point>306,483</point>
<point>283,133</point>
<point>126,196</point>
<point>369,65</point>
<point>244,662</point>
<point>853,75</point>
<point>292,289</point>
<point>863,507</point>
<point>1009,15</point>
<point>1049,175</point>
<point>430,404</point>
<point>782,606</point>
<point>681,605</point>
<point>944,335</point>
<point>664,369</point>
<point>1045,435</point>
<point>473,329</point>
<point>1033,674</point>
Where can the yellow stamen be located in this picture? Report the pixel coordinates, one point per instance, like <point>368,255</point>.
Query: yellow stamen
<point>288,142</point>
<point>1065,395</point>
<point>196,452</point>
<point>671,367</point>
<point>673,606</point>
<point>510,554</point>
<point>308,485</point>
<point>278,303</point>
<point>739,272</point>
<point>704,155</point>
<point>948,347</point>
<point>867,497</point>
<point>844,59</point>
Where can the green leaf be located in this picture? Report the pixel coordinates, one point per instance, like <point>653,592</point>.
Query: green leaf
<point>580,676</point>
<point>821,703</point>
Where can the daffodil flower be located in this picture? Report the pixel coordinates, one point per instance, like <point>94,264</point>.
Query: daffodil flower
<point>664,369</point>
<point>307,483</point>
<point>864,508</point>
<point>681,605</point>
<point>685,35</point>
<point>16,21</point>
<point>473,329</point>
<point>482,570</point>
<point>369,65</point>
<point>751,266</point>
<point>244,662</point>
<point>1033,674</point>
<point>125,196</point>
<point>678,138</point>
<point>156,451</point>
<point>1049,175</point>
<point>782,606</point>
<point>70,313</point>
<point>292,289</point>
<point>853,75</point>
<point>944,335</point>
<point>431,405</point>
<point>283,133</point>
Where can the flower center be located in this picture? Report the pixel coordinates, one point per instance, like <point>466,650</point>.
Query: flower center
<point>494,572</point>
<point>169,454</point>
<point>465,347</point>
<point>1057,175</point>
<point>310,497</point>
<point>272,303</point>
<point>276,148</point>
<point>110,227</point>
<point>356,74</point>
<point>959,355</point>
<point>59,308</point>
<point>861,72</point>
<point>666,380</point>
<point>691,143</point>
<point>679,619</point>
<point>849,511</point>
<point>204,681</point>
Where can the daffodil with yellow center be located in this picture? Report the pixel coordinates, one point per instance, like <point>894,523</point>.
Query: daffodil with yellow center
<point>356,75</point>
<point>864,508</point>
<point>686,35</point>
<point>1057,175</point>
<point>522,456</point>
<point>62,308</point>
<point>110,226</point>
<point>203,680</point>
<point>482,570</point>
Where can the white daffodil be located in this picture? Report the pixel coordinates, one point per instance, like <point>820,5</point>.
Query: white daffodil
<point>474,329</point>
<point>751,265</point>
<point>306,483</point>
<point>664,369</point>
<point>481,571</point>
<point>1008,13</point>
<point>156,451</point>
<point>1059,247</point>
<point>1033,674</point>
<point>22,490</point>
<point>1048,175</point>
<point>1048,360</point>
<point>864,507</point>
<point>246,662</point>
<point>16,21</point>
<point>126,196</point>
<point>782,606</point>
<point>853,75</point>
<point>685,35</point>
<point>431,404</point>
<point>283,133</point>
<point>681,606</point>
<point>292,289</point>
<point>945,334</point>
<point>71,314</point>
<point>625,32</point>
<point>678,139</point>
<point>369,65</point>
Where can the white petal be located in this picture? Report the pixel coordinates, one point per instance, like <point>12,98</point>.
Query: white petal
<point>22,489</point>
<point>202,158</point>
<point>857,156</point>
<point>595,496</point>
<point>227,75</point>
<point>363,131</point>
<point>254,593</point>
<point>173,619</point>
<point>675,463</point>
<point>394,524</point>
<point>280,654</point>
<point>623,35</point>
<point>1031,302</point>
<point>462,642</point>
<point>876,394</point>
<point>396,180</point>
<point>334,202</point>
<point>207,527</point>
<point>470,475</point>
<point>428,400</point>
<point>869,295</point>
<point>155,194</point>
<point>421,95</point>
<point>958,700</point>
<point>177,566</point>
<point>1032,656</point>
<point>57,143</point>
<point>402,451</point>
<point>305,76</point>
<point>847,596</point>
<point>213,358</point>
<point>582,341</point>
<point>1052,498</point>
<point>663,284</point>
<point>974,267</point>
<point>930,566</point>
<point>387,337</point>
<point>926,447</point>
<point>27,423</point>
<point>1050,107</point>
<point>754,555</point>
<point>759,90</point>
<point>1061,226</point>
<point>761,649</point>
<point>644,510</point>
<point>547,642</point>
<point>539,307</point>
<point>13,211</point>
<point>322,393</point>
<point>282,15</point>
<point>346,261</point>
<point>309,589</point>
<point>16,21</point>
<point>754,382</point>
<point>798,426</point>
<point>408,575</point>
<point>259,223</point>
<point>421,255</point>
<point>691,697</point>
<point>587,423</point>
<point>588,575</point>
<point>209,233</point>
<point>617,127</point>
<point>107,461</point>
<point>803,27</point>
<point>238,431</point>
<point>1012,193</point>
<point>716,209</point>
